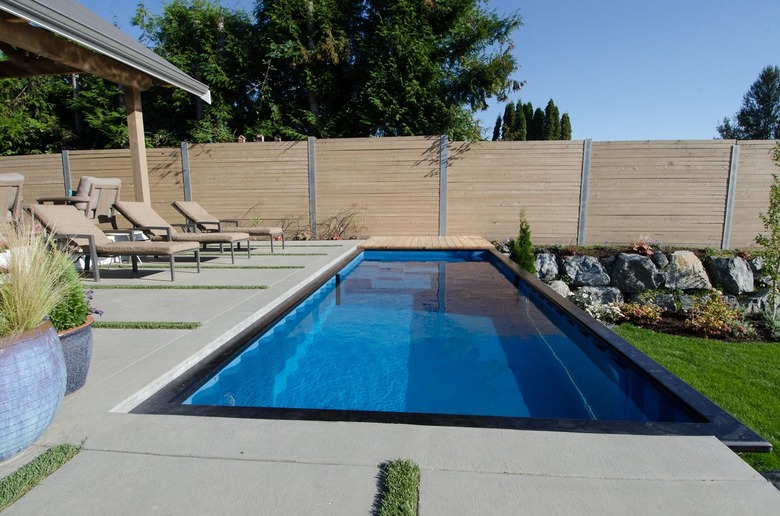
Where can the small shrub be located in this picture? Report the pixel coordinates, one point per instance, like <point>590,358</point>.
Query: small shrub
<point>608,313</point>
<point>521,250</point>
<point>647,313</point>
<point>772,324</point>
<point>713,317</point>
<point>643,246</point>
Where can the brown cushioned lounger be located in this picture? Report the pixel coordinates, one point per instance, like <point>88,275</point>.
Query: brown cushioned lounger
<point>205,221</point>
<point>142,215</point>
<point>68,222</point>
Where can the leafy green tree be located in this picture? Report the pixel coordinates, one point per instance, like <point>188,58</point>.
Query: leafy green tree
<point>552,122</point>
<point>565,127</point>
<point>31,112</point>
<point>497,129</point>
<point>99,114</point>
<point>759,116</point>
<point>215,46</point>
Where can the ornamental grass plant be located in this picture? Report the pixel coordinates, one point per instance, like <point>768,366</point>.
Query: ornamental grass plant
<point>31,285</point>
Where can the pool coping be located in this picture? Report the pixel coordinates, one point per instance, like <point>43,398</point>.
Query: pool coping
<point>718,422</point>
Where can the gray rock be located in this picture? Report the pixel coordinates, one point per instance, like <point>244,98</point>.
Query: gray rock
<point>608,261</point>
<point>546,266</point>
<point>660,260</point>
<point>633,273</point>
<point>585,271</point>
<point>685,272</point>
<point>757,264</point>
<point>561,288</point>
<point>732,273</point>
<point>600,295</point>
<point>686,302</point>
<point>756,303</point>
<point>660,299</point>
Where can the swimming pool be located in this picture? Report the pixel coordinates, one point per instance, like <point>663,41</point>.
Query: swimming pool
<point>448,338</point>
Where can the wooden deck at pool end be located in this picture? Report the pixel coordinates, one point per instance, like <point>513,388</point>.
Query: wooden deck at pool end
<point>426,242</point>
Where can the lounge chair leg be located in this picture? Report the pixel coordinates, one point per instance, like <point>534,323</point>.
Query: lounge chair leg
<point>282,241</point>
<point>95,269</point>
<point>197,260</point>
<point>248,247</point>
<point>172,269</point>
<point>271,238</point>
<point>134,262</point>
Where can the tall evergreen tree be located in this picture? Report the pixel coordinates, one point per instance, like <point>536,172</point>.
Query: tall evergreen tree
<point>552,122</point>
<point>565,127</point>
<point>528,111</point>
<point>536,129</point>
<point>759,116</point>
<point>507,129</point>
<point>497,129</point>
<point>521,127</point>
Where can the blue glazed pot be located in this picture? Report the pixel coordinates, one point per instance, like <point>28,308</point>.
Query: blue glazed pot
<point>32,385</point>
<point>77,348</point>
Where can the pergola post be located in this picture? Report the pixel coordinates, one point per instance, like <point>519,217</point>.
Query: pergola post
<point>135,132</point>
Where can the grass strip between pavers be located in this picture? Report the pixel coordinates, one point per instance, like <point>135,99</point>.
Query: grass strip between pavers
<point>15,485</point>
<point>400,488</point>
<point>174,287</point>
<point>145,325</point>
<point>741,377</point>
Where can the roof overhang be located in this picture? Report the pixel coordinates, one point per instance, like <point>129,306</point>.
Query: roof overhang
<point>32,31</point>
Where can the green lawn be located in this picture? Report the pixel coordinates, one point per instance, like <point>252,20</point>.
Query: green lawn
<point>743,378</point>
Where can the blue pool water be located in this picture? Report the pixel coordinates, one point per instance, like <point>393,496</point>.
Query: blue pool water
<point>434,333</point>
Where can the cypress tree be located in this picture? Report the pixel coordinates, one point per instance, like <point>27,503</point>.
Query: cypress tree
<point>521,133</point>
<point>497,129</point>
<point>528,111</point>
<point>565,127</point>
<point>536,129</point>
<point>509,121</point>
<point>522,250</point>
<point>552,122</point>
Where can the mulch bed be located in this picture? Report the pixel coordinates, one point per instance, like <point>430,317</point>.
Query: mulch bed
<point>673,323</point>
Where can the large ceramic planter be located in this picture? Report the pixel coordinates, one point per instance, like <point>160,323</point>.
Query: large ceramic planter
<point>77,349</point>
<point>32,384</point>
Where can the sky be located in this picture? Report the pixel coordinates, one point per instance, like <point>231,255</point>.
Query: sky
<point>622,69</point>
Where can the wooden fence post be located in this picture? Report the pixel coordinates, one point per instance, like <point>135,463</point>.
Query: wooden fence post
<point>732,185</point>
<point>443,158</point>
<point>582,221</point>
<point>185,171</point>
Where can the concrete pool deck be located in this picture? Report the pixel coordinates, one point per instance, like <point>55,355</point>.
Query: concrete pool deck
<point>161,464</point>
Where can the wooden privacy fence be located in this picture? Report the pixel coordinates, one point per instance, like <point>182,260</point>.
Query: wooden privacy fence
<point>693,193</point>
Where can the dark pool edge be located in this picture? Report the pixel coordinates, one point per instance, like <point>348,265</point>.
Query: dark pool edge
<point>733,433</point>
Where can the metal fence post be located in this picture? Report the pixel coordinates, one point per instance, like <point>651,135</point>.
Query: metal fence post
<point>312,186</point>
<point>443,159</point>
<point>582,221</point>
<point>66,171</point>
<point>732,185</point>
<point>185,171</point>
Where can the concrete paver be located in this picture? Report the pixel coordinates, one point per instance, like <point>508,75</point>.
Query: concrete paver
<point>160,464</point>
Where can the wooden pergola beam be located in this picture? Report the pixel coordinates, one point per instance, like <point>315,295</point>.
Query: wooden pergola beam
<point>44,43</point>
<point>21,63</point>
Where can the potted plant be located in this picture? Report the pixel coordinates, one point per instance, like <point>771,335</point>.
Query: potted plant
<point>72,319</point>
<point>32,366</point>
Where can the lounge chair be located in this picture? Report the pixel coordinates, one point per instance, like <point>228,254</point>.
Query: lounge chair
<point>141,215</point>
<point>195,214</point>
<point>94,197</point>
<point>11,196</point>
<point>66,222</point>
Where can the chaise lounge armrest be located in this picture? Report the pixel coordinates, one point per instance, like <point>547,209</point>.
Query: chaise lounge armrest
<point>63,199</point>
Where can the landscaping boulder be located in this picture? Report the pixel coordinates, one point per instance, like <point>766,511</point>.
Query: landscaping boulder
<point>585,271</point>
<point>599,295</point>
<point>634,273</point>
<point>663,300</point>
<point>732,273</point>
<point>561,288</point>
<point>660,260</point>
<point>546,266</point>
<point>756,303</point>
<point>685,272</point>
